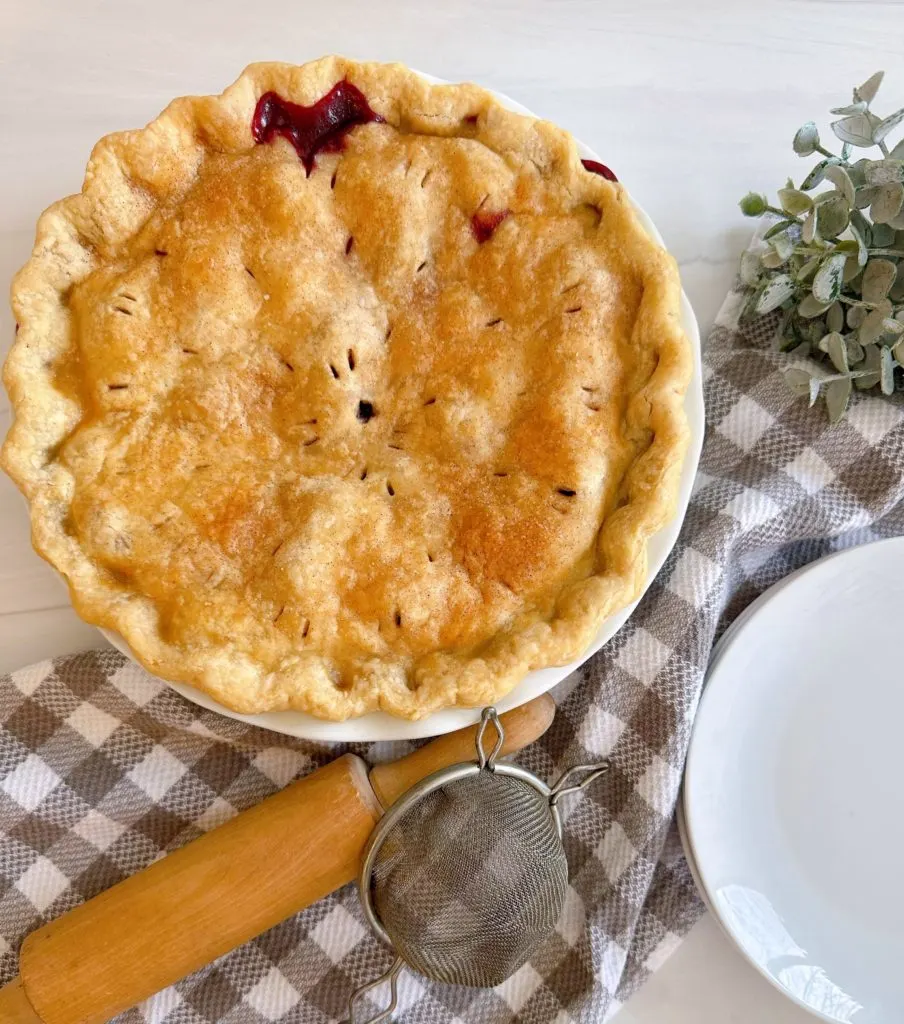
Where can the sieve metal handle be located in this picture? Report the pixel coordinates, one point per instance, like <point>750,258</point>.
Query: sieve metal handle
<point>391,977</point>
<point>489,717</point>
<point>563,787</point>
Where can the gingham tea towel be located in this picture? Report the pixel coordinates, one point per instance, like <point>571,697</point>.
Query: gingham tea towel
<point>103,768</point>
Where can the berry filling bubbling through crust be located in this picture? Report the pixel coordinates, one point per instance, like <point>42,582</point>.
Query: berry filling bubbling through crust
<point>484,224</point>
<point>322,127</point>
<point>595,167</point>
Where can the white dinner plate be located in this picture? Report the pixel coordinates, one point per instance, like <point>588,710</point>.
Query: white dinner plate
<point>381,726</point>
<point>793,813</point>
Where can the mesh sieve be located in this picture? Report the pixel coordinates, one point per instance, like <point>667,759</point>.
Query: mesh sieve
<point>472,879</point>
<point>465,876</point>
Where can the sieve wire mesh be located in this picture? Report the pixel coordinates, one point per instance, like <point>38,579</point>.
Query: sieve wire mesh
<point>471,879</point>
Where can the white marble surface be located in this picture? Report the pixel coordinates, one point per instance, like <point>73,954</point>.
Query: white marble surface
<point>691,104</point>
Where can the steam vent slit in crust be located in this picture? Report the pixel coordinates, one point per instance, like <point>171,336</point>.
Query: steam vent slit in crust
<point>342,391</point>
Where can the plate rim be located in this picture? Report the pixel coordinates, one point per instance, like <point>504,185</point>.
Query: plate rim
<point>685,805</point>
<point>377,726</point>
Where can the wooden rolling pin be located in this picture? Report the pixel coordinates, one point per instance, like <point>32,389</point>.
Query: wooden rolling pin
<point>223,889</point>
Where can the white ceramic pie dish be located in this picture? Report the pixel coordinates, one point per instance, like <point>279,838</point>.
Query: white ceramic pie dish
<point>792,794</point>
<point>381,726</point>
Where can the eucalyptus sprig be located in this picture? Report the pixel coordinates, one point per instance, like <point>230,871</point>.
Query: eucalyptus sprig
<point>833,260</point>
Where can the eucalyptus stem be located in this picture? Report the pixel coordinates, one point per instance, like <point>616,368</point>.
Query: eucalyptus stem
<point>847,300</point>
<point>783,214</point>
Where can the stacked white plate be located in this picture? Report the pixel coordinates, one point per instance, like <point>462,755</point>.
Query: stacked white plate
<point>792,812</point>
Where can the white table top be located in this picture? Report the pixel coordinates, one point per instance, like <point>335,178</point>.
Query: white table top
<point>691,103</point>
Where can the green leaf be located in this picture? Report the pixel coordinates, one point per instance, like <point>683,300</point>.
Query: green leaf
<point>887,203</point>
<point>838,394</point>
<point>873,326</point>
<point>887,124</point>
<point>808,228</point>
<point>818,172</point>
<point>886,371</point>
<point>878,278</point>
<point>827,283</point>
<point>852,269</point>
<point>883,172</point>
<point>852,108</point>
<point>750,269</point>
<point>832,217</point>
<point>898,152</point>
<point>776,291</point>
<point>835,318</point>
<point>883,236</point>
<point>893,327</point>
<point>898,351</point>
<point>809,268</point>
<point>753,204</point>
<point>777,227</point>
<point>772,260</point>
<point>811,307</point>
<point>814,330</point>
<point>860,229</point>
<point>801,350</point>
<point>868,374</point>
<point>854,350</point>
<point>857,172</point>
<point>842,181</point>
<point>783,245</point>
<point>833,345</point>
<point>897,222</point>
<point>896,293</point>
<point>806,139</point>
<point>855,316</point>
<point>864,197</point>
<point>856,129</point>
<point>848,246</point>
<point>866,93</point>
<point>793,201</point>
<point>802,383</point>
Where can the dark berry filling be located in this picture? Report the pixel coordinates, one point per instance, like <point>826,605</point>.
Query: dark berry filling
<point>484,224</point>
<point>595,167</point>
<point>322,127</point>
<point>366,410</point>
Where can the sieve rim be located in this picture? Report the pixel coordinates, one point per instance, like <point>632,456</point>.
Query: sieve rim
<point>426,786</point>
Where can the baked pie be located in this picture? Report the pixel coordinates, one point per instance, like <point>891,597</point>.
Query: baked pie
<point>343,391</point>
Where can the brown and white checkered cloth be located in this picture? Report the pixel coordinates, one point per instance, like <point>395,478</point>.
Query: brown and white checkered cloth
<point>103,768</point>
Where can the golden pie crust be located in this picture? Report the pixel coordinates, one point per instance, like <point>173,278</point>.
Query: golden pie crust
<point>308,441</point>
